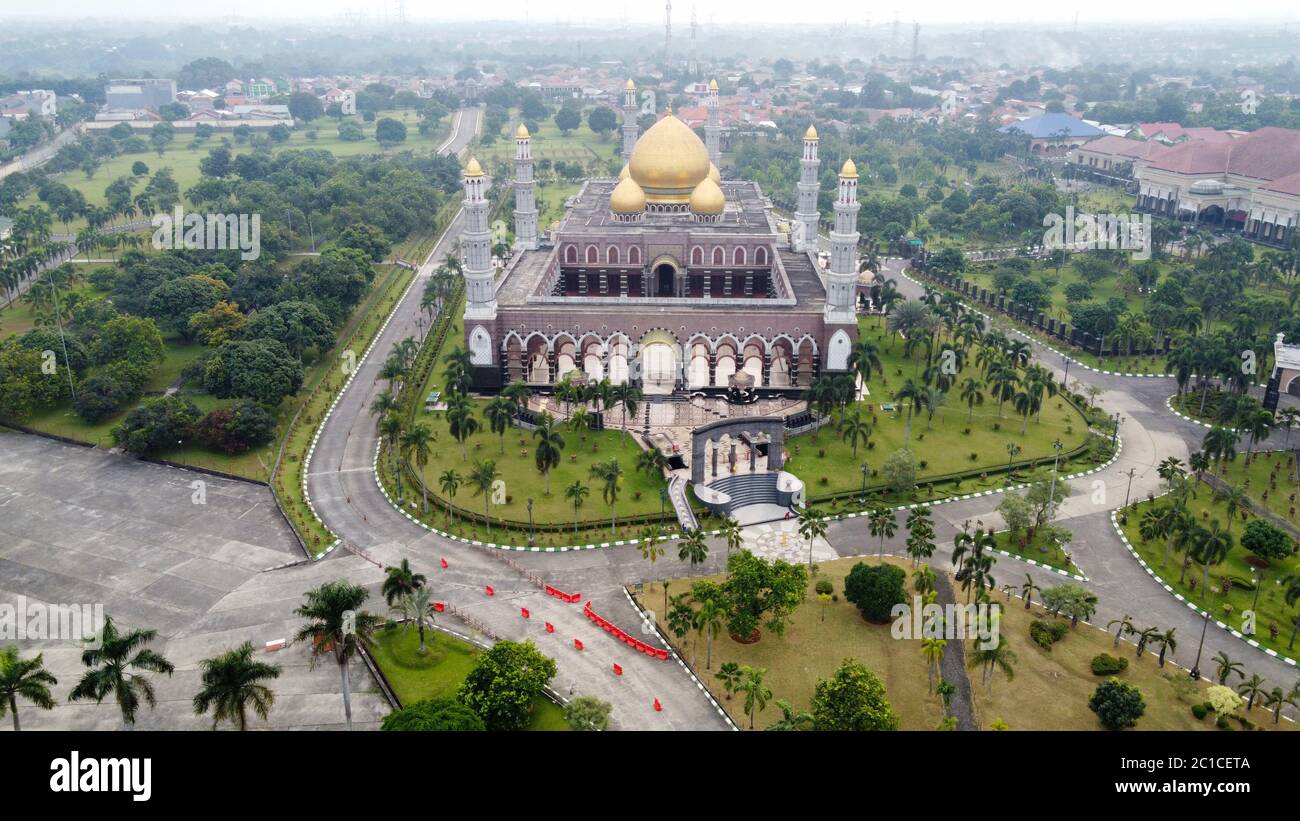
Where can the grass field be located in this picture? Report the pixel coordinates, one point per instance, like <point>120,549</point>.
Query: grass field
<point>1271,607</point>
<point>1040,550</point>
<point>1049,691</point>
<point>447,662</point>
<point>1269,479</point>
<point>940,446</point>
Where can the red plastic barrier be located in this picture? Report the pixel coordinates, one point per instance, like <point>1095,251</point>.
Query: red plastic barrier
<point>523,611</point>
<point>571,598</point>
<point>444,564</point>
<point>438,607</point>
<point>659,708</point>
<point>550,628</point>
<point>630,641</point>
<point>577,643</point>
<point>618,670</point>
<point>489,590</point>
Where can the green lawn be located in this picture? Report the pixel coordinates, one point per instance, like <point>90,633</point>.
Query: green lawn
<point>1049,692</point>
<point>1039,549</point>
<point>940,446</point>
<point>439,673</point>
<point>1269,479</point>
<point>1271,608</point>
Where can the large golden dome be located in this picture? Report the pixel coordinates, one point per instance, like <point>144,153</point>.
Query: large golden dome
<point>669,161</point>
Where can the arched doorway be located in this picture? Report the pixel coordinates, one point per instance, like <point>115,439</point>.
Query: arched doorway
<point>658,362</point>
<point>664,270</point>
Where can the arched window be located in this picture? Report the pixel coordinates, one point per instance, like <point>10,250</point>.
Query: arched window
<point>571,254</point>
<point>697,255</point>
<point>718,257</point>
<point>760,256</point>
<point>634,256</point>
<point>738,256</point>
<point>611,255</point>
<point>593,256</point>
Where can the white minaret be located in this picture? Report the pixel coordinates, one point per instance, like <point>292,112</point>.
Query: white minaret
<point>525,198</point>
<point>842,279</point>
<point>712,128</point>
<point>476,247</point>
<point>630,111</point>
<point>806,213</point>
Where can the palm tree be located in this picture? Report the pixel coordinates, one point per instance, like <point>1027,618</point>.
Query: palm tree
<point>1122,626</point>
<point>913,396</point>
<point>729,675</point>
<point>651,462</point>
<point>610,474</point>
<point>709,620</point>
<point>449,481</point>
<point>232,682</point>
<point>694,548</point>
<point>756,692</point>
<point>337,625</point>
<point>415,442</point>
<point>855,431</point>
<point>791,720</point>
<point>732,534</point>
<point>1212,547</point>
<point>1234,500</point>
<point>111,658</point>
<point>811,527</point>
<point>25,678</point>
<point>932,650</point>
<point>881,522</point>
<point>1277,699</point>
<point>390,427</point>
<point>625,396</point>
<point>1252,688</point>
<point>1220,445</point>
<point>550,445</point>
<point>460,421</point>
<point>991,659</point>
<point>865,358</point>
<point>1225,667</point>
<point>517,392</point>
<point>972,393</point>
<point>483,477</point>
<point>576,493</point>
<point>417,607</point>
<point>1292,595</point>
<point>500,412</point>
<point>1167,642</point>
<point>399,581</point>
<point>1028,589</point>
<point>383,404</point>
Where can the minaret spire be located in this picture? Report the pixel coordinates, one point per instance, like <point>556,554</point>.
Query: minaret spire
<point>842,280</point>
<point>476,246</point>
<point>525,199</point>
<point>806,213</point>
<point>712,127</point>
<point>630,111</point>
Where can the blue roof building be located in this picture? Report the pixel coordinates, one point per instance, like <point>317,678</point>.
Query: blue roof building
<point>1054,133</point>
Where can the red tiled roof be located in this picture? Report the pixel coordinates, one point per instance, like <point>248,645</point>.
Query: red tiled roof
<point>1267,154</point>
<point>1125,147</point>
<point>1290,184</point>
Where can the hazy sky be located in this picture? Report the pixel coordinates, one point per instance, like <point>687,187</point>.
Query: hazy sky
<point>1266,13</point>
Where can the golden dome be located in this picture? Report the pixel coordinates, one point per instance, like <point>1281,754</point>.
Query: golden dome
<point>810,134</point>
<point>849,170</point>
<point>522,132</point>
<point>625,173</point>
<point>473,169</point>
<point>631,86</point>
<point>627,198</point>
<point>715,174</point>
<point>713,85</point>
<point>669,161</point>
<point>707,198</point>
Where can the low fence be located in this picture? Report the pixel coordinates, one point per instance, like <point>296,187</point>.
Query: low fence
<point>635,643</point>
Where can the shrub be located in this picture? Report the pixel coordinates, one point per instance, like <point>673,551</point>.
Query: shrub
<point>1118,705</point>
<point>824,587</point>
<point>1108,665</point>
<point>875,589</point>
<point>160,424</point>
<point>1200,711</point>
<point>237,428</point>
<point>440,714</point>
<point>1047,633</point>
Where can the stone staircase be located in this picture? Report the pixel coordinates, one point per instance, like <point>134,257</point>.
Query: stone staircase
<point>748,489</point>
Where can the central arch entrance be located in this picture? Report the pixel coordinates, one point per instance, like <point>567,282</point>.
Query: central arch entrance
<point>659,361</point>
<point>664,271</point>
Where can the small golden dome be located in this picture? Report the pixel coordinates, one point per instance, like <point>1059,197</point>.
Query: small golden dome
<point>631,86</point>
<point>715,174</point>
<point>627,198</point>
<point>707,198</point>
<point>849,171</point>
<point>669,161</point>
<point>522,132</point>
<point>810,134</point>
<point>625,173</point>
<point>472,168</point>
<point>713,85</point>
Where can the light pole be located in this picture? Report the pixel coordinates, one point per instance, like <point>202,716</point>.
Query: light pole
<point>1065,380</point>
<point>1129,473</point>
<point>1259,582</point>
<point>530,521</point>
<point>1056,461</point>
<point>1012,450</point>
<point>1115,433</point>
<point>663,505</point>
<point>1196,668</point>
<point>864,483</point>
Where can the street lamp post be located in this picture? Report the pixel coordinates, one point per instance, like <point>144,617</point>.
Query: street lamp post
<point>1012,450</point>
<point>1258,580</point>
<point>1115,433</point>
<point>530,521</point>
<point>1129,473</point>
<point>1196,668</point>
<point>1056,461</point>
<point>864,483</point>
<point>663,505</point>
<point>1065,380</point>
